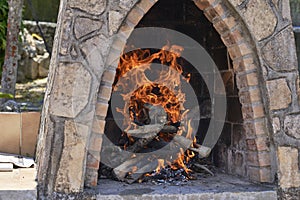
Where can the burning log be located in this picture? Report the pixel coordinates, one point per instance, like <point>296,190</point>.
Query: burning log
<point>183,141</point>
<point>142,131</point>
<point>186,143</point>
<point>122,170</point>
<point>201,150</point>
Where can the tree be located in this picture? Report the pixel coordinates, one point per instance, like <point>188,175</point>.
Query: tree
<point>10,67</point>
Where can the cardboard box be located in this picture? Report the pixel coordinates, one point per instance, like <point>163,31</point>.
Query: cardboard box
<point>18,132</point>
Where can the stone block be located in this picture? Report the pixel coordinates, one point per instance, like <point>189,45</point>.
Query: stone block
<point>94,7</point>
<point>260,18</point>
<point>66,32</point>
<point>280,52</point>
<point>279,93</point>
<point>236,2</point>
<point>31,69</point>
<point>43,66</point>
<point>70,175</point>
<point>276,125</point>
<point>95,51</point>
<point>128,4</point>
<point>71,90</point>
<point>289,176</point>
<point>115,19</point>
<point>292,126</point>
<point>84,26</point>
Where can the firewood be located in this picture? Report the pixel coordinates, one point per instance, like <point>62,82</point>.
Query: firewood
<point>142,131</point>
<point>122,170</point>
<point>169,129</point>
<point>201,150</point>
<point>148,167</point>
<point>198,166</point>
<point>183,141</point>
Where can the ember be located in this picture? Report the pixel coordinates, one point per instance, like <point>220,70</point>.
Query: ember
<point>154,118</point>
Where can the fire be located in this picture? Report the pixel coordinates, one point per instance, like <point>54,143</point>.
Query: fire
<point>161,165</point>
<point>164,91</point>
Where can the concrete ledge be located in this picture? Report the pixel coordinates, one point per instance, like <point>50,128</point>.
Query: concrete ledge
<point>220,186</point>
<point>18,194</point>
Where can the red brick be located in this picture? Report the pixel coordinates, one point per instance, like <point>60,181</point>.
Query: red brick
<point>101,109</point>
<point>253,111</point>
<point>93,162</point>
<point>146,5</point>
<point>221,27</point>
<point>247,80</point>
<point>108,76</point>
<point>244,65</point>
<point>250,96</point>
<point>260,174</point>
<point>135,16</point>
<point>202,4</point>
<point>255,129</point>
<point>232,38</point>
<point>258,144</point>
<point>119,43</point>
<point>98,126</point>
<point>95,142</point>
<point>91,177</point>
<point>105,92</point>
<point>258,159</point>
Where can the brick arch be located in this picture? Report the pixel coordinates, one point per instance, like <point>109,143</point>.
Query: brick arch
<point>241,48</point>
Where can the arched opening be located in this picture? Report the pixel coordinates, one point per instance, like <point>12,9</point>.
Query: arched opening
<point>238,151</point>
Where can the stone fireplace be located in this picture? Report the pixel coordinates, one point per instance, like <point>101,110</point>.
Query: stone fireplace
<point>252,45</point>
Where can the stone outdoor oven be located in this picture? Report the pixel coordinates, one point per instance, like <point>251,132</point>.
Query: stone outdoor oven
<point>252,44</point>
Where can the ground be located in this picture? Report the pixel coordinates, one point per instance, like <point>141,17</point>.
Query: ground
<point>31,91</point>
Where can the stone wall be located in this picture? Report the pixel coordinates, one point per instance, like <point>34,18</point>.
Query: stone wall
<point>47,28</point>
<point>259,39</point>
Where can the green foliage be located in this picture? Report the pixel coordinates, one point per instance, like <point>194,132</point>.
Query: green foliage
<point>6,96</point>
<point>295,12</point>
<point>3,25</point>
<point>45,10</point>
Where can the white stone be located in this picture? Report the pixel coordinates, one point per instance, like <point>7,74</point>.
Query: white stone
<point>276,125</point>
<point>71,90</point>
<point>94,7</point>
<point>292,126</point>
<point>115,19</point>
<point>83,26</point>
<point>260,18</point>
<point>279,93</point>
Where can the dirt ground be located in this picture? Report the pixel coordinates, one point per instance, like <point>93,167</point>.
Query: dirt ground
<point>32,91</point>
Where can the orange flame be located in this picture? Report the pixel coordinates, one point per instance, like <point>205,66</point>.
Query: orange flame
<point>165,91</point>
<point>161,165</point>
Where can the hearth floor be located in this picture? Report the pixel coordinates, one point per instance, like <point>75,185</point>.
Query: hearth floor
<point>220,186</point>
